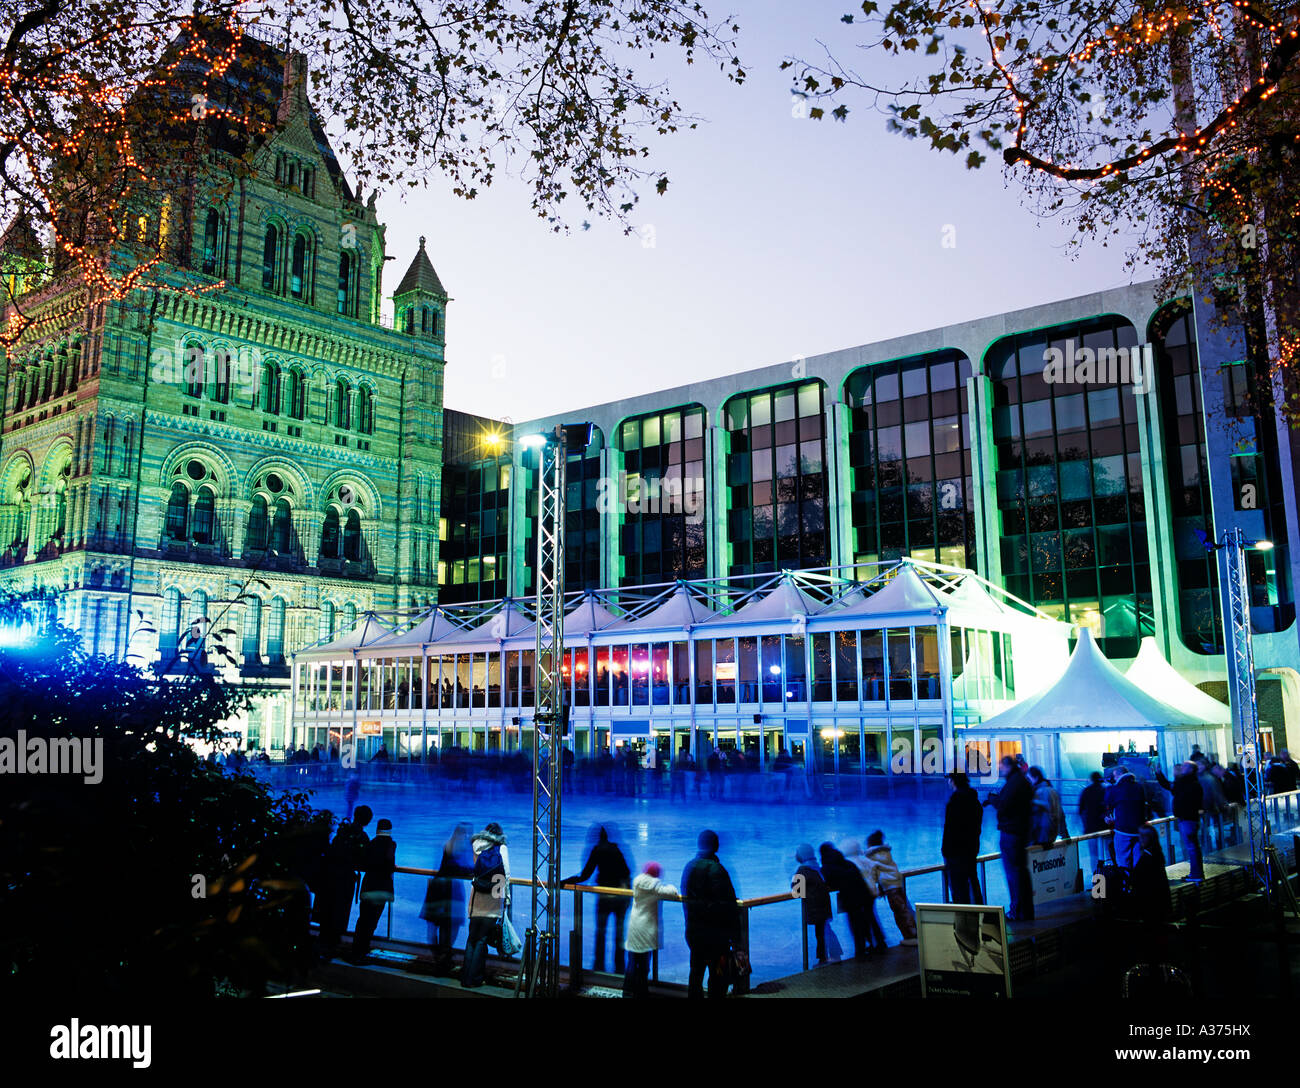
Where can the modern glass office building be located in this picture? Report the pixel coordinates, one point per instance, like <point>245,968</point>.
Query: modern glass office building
<point>1075,456</point>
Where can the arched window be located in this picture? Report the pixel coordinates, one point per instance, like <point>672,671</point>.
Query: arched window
<point>424,320</point>
<point>349,617</point>
<point>178,512</point>
<point>365,411</point>
<point>298,285</point>
<point>408,321</point>
<point>275,632</point>
<point>19,392</point>
<point>211,242</point>
<point>196,637</point>
<point>169,629</point>
<point>270,257</point>
<point>342,404</point>
<point>252,629</point>
<point>282,527</point>
<point>326,629</point>
<point>352,537</point>
<point>195,364</point>
<point>329,535</point>
<point>433,322</point>
<point>347,292</point>
<point>297,394</point>
<point>258,526</point>
<point>221,376</point>
<point>271,388</point>
<point>204,508</point>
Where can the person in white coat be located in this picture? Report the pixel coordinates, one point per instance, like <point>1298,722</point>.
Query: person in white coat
<point>644,928</point>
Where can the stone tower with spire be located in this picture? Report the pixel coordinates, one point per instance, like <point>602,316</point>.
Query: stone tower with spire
<point>261,454</point>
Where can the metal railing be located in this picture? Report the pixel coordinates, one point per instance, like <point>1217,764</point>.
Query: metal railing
<point>1227,830</point>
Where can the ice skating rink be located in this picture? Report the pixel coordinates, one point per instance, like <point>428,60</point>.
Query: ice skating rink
<point>758,840</point>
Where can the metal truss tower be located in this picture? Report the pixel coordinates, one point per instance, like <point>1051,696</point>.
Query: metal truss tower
<point>1245,706</point>
<point>539,976</point>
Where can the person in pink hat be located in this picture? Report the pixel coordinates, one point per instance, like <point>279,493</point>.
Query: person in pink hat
<point>644,928</point>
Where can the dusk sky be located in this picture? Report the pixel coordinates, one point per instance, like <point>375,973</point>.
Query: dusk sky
<point>778,237</point>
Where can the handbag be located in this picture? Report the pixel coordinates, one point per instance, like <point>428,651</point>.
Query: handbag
<point>739,971</point>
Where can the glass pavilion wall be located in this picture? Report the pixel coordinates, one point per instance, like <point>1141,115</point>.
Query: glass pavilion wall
<point>839,694</point>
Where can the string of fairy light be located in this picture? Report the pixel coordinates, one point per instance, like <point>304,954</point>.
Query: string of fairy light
<point>1124,40</point>
<point>111,190</point>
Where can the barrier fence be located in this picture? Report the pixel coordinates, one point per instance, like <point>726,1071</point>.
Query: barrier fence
<point>1217,832</point>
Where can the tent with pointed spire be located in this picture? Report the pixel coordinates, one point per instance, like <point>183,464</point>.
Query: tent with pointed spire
<point>1090,709</point>
<point>431,627</point>
<point>678,611</point>
<point>1153,674</point>
<point>368,631</point>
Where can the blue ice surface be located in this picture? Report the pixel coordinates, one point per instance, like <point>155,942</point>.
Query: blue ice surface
<point>758,840</point>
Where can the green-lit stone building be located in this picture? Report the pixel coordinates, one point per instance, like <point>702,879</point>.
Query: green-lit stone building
<point>264,457</point>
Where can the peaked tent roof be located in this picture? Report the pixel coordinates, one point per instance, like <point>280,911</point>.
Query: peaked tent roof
<point>370,630</point>
<point>679,610</point>
<point>905,593</point>
<point>1154,675</point>
<point>420,276</point>
<point>970,591</point>
<point>506,622</point>
<point>590,615</point>
<point>586,617</point>
<point>783,603</point>
<point>1091,694</point>
<point>430,628</point>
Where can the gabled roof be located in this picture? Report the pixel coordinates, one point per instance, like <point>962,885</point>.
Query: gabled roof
<point>247,92</point>
<point>420,276</point>
<point>1154,675</point>
<point>1091,694</point>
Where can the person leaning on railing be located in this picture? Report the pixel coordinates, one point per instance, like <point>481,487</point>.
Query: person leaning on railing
<point>645,928</point>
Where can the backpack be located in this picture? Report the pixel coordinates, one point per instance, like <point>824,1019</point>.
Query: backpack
<point>486,867</point>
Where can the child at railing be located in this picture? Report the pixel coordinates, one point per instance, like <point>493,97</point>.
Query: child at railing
<point>889,880</point>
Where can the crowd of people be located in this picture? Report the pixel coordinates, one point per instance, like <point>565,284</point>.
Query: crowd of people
<point>472,883</point>
<point>472,880</point>
<point>858,878</point>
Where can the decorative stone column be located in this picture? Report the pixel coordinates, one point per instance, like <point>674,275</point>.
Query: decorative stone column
<point>234,515</point>
<point>307,524</point>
